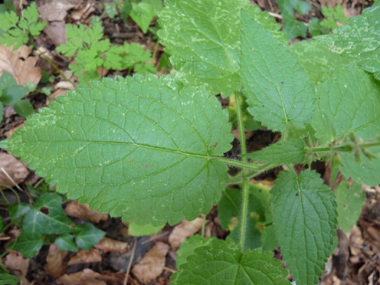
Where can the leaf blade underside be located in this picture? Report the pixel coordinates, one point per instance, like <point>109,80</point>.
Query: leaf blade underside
<point>139,148</point>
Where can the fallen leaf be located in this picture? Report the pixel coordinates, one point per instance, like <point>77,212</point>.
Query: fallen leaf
<point>183,230</point>
<point>56,31</point>
<point>14,168</point>
<point>83,13</point>
<point>87,276</point>
<point>55,10</point>
<point>82,211</point>
<point>12,131</point>
<point>111,245</point>
<point>86,256</point>
<point>152,264</point>
<point>20,64</point>
<point>17,264</point>
<point>54,261</point>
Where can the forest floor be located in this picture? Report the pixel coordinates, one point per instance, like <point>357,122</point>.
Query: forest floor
<point>151,259</point>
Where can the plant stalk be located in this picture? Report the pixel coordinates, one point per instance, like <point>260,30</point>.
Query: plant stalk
<point>243,148</point>
<point>343,147</point>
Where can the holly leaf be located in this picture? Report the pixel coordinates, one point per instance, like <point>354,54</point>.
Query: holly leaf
<point>188,247</point>
<point>204,42</point>
<point>88,236</point>
<point>350,200</point>
<point>304,219</point>
<point>222,262</point>
<point>359,40</point>
<point>166,134</point>
<point>277,88</point>
<point>37,223</point>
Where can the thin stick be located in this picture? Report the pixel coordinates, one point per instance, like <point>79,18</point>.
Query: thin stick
<point>130,261</point>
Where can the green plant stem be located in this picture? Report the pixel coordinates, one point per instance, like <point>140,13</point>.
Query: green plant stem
<point>243,164</point>
<point>343,147</point>
<point>243,148</point>
<point>14,192</point>
<point>203,225</point>
<point>52,64</point>
<point>239,177</point>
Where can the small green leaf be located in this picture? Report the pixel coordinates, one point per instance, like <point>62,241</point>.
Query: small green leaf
<point>188,247</point>
<point>24,108</point>
<point>37,223</point>
<point>350,200</point>
<point>8,279</point>
<point>125,10</point>
<point>110,9</point>
<point>277,89</point>
<point>13,94</point>
<point>282,152</point>
<point>142,13</point>
<point>223,263</point>
<point>292,27</point>
<point>88,236</point>
<point>98,134</point>
<point>304,219</point>
<point>333,16</point>
<point>358,40</point>
<point>146,230</point>
<point>18,210</point>
<point>26,245</point>
<point>66,242</point>
<point>7,80</point>
<point>31,86</point>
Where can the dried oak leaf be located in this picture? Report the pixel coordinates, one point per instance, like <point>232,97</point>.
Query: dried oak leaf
<point>86,256</point>
<point>183,230</point>
<point>20,64</point>
<point>152,264</point>
<point>111,245</point>
<point>82,211</point>
<point>55,265</point>
<point>14,168</point>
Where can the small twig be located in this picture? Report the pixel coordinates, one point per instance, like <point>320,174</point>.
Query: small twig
<point>275,15</point>
<point>10,178</point>
<point>154,237</point>
<point>170,269</point>
<point>130,261</point>
<point>124,35</point>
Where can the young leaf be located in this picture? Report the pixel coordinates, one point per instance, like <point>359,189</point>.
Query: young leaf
<point>350,200</point>
<point>204,49</point>
<point>24,108</point>
<point>166,134</point>
<point>146,230</point>
<point>333,16</point>
<point>282,152</point>
<point>188,247</point>
<point>349,101</point>
<point>88,236</point>
<point>142,13</point>
<point>36,223</point>
<point>304,218</point>
<point>223,263</point>
<point>18,210</point>
<point>292,27</point>
<point>65,242</point>
<point>359,40</point>
<point>278,90</point>
<point>26,245</point>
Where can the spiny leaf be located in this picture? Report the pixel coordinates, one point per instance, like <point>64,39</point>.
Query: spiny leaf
<point>277,89</point>
<point>203,39</point>
<point>141,148</point>
<point>222,262</point>
<point>359,40</point>
<point>282,152</point>
<point>350,200</point>
<point>304,218</point>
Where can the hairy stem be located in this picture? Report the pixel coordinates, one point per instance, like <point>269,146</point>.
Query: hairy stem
<point>243,148</point>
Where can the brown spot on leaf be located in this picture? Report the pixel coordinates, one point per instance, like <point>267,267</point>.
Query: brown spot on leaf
<point>146,165</point>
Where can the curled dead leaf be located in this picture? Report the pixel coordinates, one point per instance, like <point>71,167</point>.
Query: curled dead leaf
<point>19,64</point>
<point>14,168</point>
<point>82,211</point>
<point>152,264</point>
<point>55,265</point>
<point>111,245</point>
<point>87,276</point>
<point>86,256</point>
<point>183,230</point>
<point>55,10</point>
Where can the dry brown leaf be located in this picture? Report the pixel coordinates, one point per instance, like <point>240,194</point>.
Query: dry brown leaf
<point>87,276</point>
<point>56,31</point>
<point>14,168</point>
<point>111,245</point>
<point>152,264</point>
<point>17,265</point>
<point>86,256</point>
<point>54,261</point>
<point>55,10</point>
<point>82,211</point>
<point>12,131</point>
<point>183,230</point>
<point>83,13</point>
<point>20,64</point>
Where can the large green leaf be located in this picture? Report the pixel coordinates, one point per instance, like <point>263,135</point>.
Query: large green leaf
<point>203,39</point>
<point>277,88</point>
<point>304,219</point>
<point>350,200</point>
<point>223,263</point>
<point>141,148</point>
<point>359,40</point>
